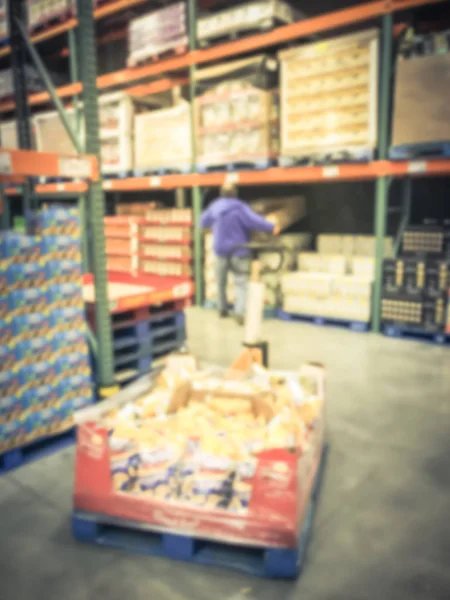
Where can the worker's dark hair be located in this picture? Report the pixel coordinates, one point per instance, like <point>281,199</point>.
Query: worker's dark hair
<point>229,190</point>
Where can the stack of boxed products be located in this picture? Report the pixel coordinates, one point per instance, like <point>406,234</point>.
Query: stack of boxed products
<point>150,241</point>
<point>329,96</point>
<point>44,12</point>
<point>152,35</point>
<point>207,451</point>
<point>237,113</point>
<point>116,115</point>
<point>285,212</point>
<point>248,16</point>
<point>45,373</point>
<point>415,285</point>
<point>335,282</point>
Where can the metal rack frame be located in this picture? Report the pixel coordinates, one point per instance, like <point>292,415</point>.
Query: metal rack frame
<point>85,82</point>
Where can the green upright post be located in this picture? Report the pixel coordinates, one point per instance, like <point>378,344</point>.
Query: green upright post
<point>196,194</point>
<point>96,202</point>
<point>381,191</point>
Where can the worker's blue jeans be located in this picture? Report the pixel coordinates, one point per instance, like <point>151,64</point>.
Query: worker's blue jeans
<point>240,283</point>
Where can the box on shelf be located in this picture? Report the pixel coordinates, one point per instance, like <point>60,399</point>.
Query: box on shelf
<point>423,239</point>
<point>51,135</point>
<point>42,12</point>
<point>156,33</point>
<point>352,245</point>
<point>322,263</point>
<point>162,139</point>
<point>328,97</point>
<point>248,16</point>
<point>237,112</point>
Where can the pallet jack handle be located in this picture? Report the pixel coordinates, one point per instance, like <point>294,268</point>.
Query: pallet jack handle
<point>256,291</point>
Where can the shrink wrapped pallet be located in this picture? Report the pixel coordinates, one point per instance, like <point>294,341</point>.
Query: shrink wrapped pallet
<point>51,135</point>
<point>162,138</point>
<point>44,12</point>
<point>329,93</point>
<point>421,107</point>
<point>156,33</point>
<point>237,113</point>
<point>248,16</point>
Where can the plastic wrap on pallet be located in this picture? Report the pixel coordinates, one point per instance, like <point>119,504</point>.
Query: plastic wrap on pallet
<point>251,486</point>
<point>328,97</point>
<point>162,139</point>
<point>155,33</point>
<point>44,12</point>
<point>248,16</point>
<point>237,112</point>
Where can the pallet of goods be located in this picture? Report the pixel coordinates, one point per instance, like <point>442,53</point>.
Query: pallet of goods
<point>8,135</point>
<point>147,319</point>
<point>42,13</point>
<point>237,116</point>
<point>45,374</point>
<point>157,34</point>
<point>151,462</point>
<point>248,17</point>
<point>162,140</point>
<point>421,88</point>
<point>334,285</point>
<point>328,93</point>
<point>116,115</point>
<point>416,284</point>
<point>51,135</point>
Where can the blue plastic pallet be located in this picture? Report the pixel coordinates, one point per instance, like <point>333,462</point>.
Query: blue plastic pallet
<point>12,459</point>
<point>257,165</point>
<point>359,326</point>
<point>131,536</point>
<point>151,328</point>
<point>430,337</point>
<point>417,151</point>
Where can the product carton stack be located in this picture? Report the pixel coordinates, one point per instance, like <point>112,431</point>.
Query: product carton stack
<point>415,285</point>
<point>43,12</point>
<point>237,117</point>
<point>51,135</point>
<point>150,241</point>
<point>154,34</point>
<point>329,98</point>
<point>162,139</point>
<point>4,24</point>
<point>45,373</point>
<point>116,114</point>
<point>248,16</point>
<point>335,282</point>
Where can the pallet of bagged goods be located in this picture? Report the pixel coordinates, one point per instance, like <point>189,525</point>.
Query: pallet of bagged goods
<point>151,460</point>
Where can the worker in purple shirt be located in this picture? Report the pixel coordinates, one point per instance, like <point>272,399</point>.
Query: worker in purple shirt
<point>232,222</point>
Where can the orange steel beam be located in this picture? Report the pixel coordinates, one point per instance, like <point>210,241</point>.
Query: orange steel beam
<point>114,7</point>
<point>23,163</point>
<point>155,87</point>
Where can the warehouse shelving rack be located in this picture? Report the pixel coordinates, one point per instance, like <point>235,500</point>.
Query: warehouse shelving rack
<point>86,83</point>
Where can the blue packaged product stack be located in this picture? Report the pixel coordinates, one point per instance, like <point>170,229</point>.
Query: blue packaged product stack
<point>45,370</point>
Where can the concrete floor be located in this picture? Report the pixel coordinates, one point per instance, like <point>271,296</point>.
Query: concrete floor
<point>382,529</point>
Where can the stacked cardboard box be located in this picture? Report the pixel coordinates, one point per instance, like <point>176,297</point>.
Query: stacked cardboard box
<point>248,16</point>
<point>42,12</point>
<point>336,281</point>
<point>51,135</point>
<point>116,114</point>
<point>151,241</point>
<point>237,113</point>
<point>156,33</point>
<point>8,135</point>
<point>329,97</point>
<point>162,138</point>
<point>44,368</point>
<point>415,285</point>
